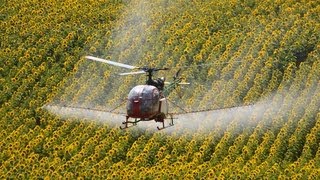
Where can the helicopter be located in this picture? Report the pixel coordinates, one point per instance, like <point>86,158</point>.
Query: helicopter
<point>147,102</point>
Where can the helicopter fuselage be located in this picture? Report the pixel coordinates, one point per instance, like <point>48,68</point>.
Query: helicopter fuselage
<point>146,102</point>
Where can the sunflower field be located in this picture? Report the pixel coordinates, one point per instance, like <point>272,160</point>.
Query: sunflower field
<point>264,56</point>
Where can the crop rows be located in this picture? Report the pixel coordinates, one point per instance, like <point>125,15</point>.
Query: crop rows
<point>263,56</point>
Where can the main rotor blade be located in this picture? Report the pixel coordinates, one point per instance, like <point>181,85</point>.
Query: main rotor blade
<point>180,83</point>
<point>111,62</point>
<point>206,64</point>
<point>132,73</point>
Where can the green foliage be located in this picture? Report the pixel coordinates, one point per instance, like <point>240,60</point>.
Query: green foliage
<point>259,50</point>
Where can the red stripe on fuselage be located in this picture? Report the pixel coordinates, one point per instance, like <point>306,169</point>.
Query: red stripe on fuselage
<point>136,108</point>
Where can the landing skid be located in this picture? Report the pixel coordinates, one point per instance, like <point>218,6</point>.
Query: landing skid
<point>163,126</point>
<point>135,122</point>
<point>126,126</point>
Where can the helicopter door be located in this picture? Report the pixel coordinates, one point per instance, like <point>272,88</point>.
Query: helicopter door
<point>164,105</point>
